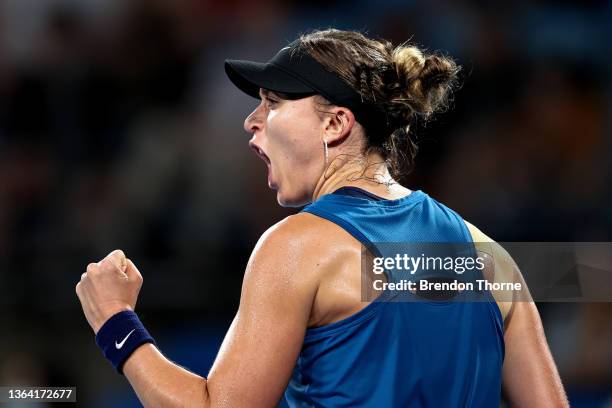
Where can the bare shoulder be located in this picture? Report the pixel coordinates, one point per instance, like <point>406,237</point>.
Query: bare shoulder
<point>297,249</point>
<point>300,235</point>
<point>499,268</point>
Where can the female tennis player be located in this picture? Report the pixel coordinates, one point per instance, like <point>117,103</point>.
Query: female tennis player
<point>333,127</point>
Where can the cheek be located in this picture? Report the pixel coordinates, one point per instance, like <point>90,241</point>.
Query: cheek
<point>295,140</point>
<point>301,159</point>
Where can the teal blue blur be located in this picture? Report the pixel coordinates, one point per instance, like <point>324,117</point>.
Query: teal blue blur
<point>401,354</point>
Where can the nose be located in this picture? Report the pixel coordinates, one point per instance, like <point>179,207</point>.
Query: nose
<point>254,121</point>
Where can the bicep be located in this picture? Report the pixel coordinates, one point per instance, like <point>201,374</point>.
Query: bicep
<point>254,363</point>
<point>260,349</point>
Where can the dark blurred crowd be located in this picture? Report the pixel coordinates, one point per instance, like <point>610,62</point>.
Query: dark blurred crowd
<point>118,129</point>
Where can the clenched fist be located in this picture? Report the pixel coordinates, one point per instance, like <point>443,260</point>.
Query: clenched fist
<point>108,287</point>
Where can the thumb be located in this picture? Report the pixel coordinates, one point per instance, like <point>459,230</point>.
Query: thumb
<point>131,271</point>
<point>115,259</point>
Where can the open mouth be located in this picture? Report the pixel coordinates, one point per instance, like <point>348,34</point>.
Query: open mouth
<point>258,151</point>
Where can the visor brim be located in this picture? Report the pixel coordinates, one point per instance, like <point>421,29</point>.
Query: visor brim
<point>250,76</point>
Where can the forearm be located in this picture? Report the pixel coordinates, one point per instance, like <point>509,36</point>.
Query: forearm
<point>160,383</point>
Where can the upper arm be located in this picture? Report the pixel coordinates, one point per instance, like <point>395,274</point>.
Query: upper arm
<point>530,377</point>
<point>260,349</point>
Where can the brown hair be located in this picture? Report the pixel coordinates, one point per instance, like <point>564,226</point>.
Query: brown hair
<point>403,81</point>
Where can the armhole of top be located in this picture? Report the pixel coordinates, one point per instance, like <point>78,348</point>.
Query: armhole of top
<point>366,312</point>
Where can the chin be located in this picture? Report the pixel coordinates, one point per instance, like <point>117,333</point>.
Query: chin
<point>289,201</point>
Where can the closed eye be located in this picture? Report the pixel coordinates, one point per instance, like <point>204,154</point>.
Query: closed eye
<point>266,97</point>
<point>271,102</point>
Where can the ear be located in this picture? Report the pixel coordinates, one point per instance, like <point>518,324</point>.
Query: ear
<point>338,125</point>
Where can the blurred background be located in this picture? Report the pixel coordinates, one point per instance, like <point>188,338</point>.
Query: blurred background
<point>119,129</point>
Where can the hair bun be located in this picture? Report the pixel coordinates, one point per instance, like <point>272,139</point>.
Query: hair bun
<point>426,80</point>
<point>437,72</point>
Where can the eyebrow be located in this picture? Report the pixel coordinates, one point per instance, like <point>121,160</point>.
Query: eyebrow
<point>267,93</point>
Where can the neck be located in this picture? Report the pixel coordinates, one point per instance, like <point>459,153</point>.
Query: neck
<point>370,173</point>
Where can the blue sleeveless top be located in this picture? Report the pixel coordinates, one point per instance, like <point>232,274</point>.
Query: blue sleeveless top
<point>422,353</point>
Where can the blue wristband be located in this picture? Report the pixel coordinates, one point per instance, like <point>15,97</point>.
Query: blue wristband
<point>120,335</point>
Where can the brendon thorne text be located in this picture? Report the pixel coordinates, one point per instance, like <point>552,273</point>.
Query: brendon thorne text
<point>425,285</point>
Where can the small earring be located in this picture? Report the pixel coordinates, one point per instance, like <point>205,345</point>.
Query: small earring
<point>325,150</point>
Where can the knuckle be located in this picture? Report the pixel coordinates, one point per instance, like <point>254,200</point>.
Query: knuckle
<point>92,266</point>
<point>117,254</point>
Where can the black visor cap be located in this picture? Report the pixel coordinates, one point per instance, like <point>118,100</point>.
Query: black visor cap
<point>290,71</point>
<point>294,72</point>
